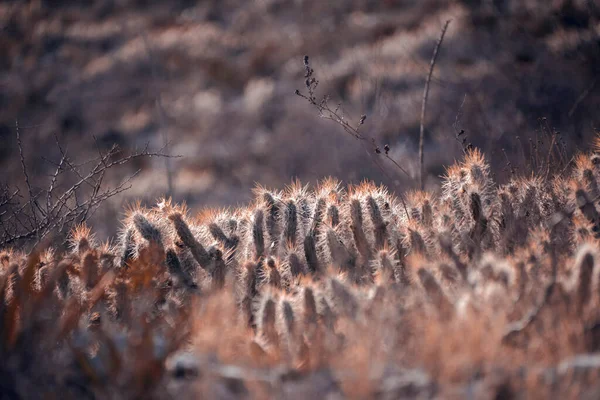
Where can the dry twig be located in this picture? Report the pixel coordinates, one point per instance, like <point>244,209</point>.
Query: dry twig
<point>325,111</point>
<point>26,219</point>
<point>424,104</point>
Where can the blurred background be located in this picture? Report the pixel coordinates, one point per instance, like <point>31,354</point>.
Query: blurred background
<point>216,80</point>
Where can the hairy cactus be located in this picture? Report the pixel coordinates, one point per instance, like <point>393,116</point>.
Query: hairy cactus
<point>314,282</point>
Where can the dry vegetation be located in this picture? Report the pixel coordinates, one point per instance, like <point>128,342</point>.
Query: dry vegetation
<point>486,286</point>
<point>224,72</point>
<point>481,290</point>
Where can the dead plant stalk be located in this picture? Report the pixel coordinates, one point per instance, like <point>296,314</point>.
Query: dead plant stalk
<point>424,103</point>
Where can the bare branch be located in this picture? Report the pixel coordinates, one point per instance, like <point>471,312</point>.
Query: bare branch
<point>161,115</point>
<point>25,220</point>
<point>336,115</point>
<point>424,104</point>
<point>24,168</point>
<point>582,97</point>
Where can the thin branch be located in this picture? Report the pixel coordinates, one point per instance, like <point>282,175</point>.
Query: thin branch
<point>582,97</point>
<point>53,181</point>
<point>326,112</point>
<point>161,115</point>
<point>24,168</point>
<point>424,103</point>
<point>31,221</point>
<point>6,197</point>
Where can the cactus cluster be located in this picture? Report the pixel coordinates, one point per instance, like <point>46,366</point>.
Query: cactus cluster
<point>481,288</point>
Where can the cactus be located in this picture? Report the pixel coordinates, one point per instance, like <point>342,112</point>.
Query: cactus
<point>147,230</point>
<point>305,283</point>
<point>175,269</point>
<point>188,239</point>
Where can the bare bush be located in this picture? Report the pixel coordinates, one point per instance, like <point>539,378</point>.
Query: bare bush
<point>71,194</point>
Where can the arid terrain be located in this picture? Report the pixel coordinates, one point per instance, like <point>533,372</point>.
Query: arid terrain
<point>222,199</point>
<point>216,79</point>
